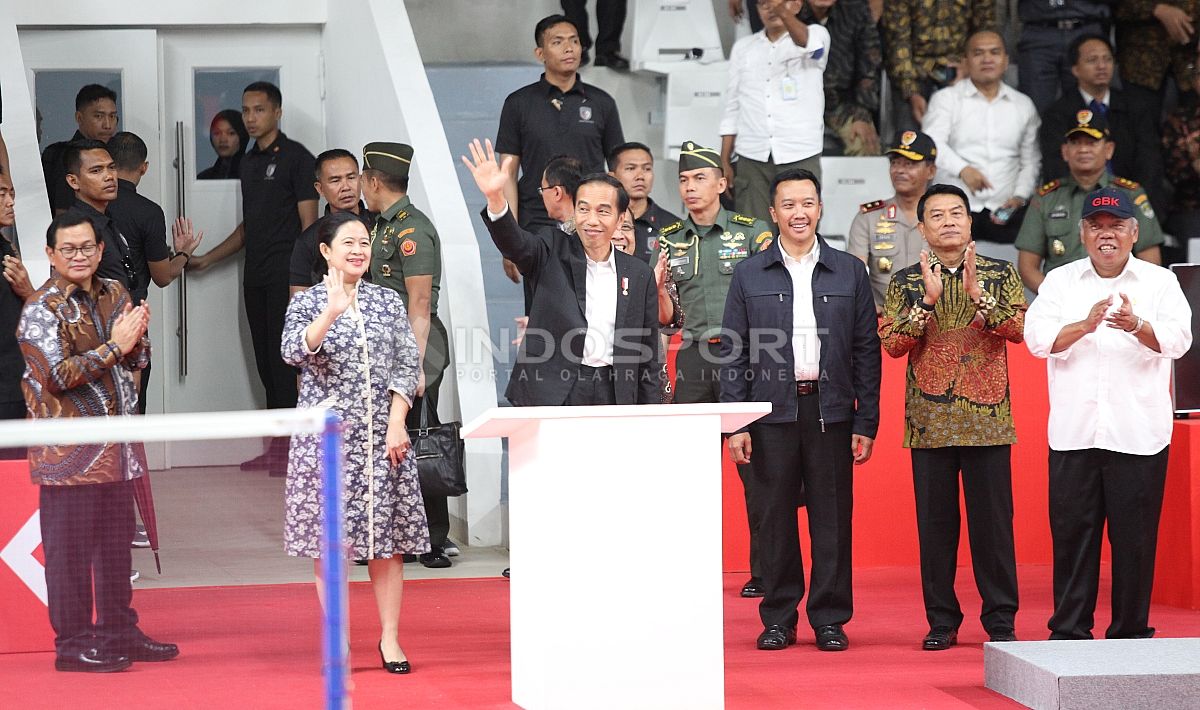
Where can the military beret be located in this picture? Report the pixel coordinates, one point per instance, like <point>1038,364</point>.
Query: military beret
<point>693,156</point>
<point>391,158</point>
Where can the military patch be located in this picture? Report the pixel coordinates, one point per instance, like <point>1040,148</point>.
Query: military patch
<point>406,232</point>
<point>681,252</point>
<point>1049,187</point>
<point>1057,247</point>
<point>1125,183</point>
<point>743,219</point>
<point>726,268</point>
<point>651,243</point>
<point>883,226</point>
<point>408,247</point>
<point>883,246</point>
<point>766,244</point>
<point>400,216</point>
<point>385,270</point>
<point>670,228</point>
<point>1059,212</point>
<point>870,206</point>
<point>764,240</point>
<point>891,212</point>
<point>732,252</point>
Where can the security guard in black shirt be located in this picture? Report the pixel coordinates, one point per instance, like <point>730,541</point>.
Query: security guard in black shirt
<point>97,117</point>
<point>633,165</point>
<point>337,180</point>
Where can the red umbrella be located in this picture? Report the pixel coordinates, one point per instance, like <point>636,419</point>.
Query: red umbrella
<point>144,497</point>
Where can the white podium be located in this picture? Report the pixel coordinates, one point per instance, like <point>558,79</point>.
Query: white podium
<point>615,540</point>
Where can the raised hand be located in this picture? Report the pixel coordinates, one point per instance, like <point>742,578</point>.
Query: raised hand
<point>660,269</point>
<point>16,275</point>
<point>337,300</point>
<point>932,279</point>
<point>970,279</point>
<point>490,176</point>
<point>186,239</point>
<point>1096,314</point>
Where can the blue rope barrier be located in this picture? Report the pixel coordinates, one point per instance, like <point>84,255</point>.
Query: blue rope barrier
<point>333,566</point>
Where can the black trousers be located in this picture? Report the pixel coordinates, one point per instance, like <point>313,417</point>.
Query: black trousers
<point>143,387</point>
<point>987,490</point>
<point>592,385</point>
<point>1088,488</point>
<point>437,508</point>
<point>87,531</point>
<point>787,458</point>
<point>610,21</point>
<point>12,410</point>
<point>266,306</point>
<point>698,381</point>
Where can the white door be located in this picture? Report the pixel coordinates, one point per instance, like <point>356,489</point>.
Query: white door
<point>203,73</point>
<point>58,63</point>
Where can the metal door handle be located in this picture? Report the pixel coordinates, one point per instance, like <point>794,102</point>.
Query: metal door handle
<point>181,211</point>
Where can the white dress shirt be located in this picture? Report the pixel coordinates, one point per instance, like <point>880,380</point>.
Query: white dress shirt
<point>1108,391</point>
<point>775,101</point>
<point>806,345</point>
<point>1088,98</point>
<point>997,137</point>
<point>600,310</point>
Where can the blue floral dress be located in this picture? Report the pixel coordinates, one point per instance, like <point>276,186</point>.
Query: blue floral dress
<point>368,353</point>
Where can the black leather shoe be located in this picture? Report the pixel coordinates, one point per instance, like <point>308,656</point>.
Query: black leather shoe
<point>776,638</point>
<point>613,61</point>
<point>506,573</point>
<point>753,588</point>
<point>940,638</point>
<point>832,638</point>
<point>399,667</point>
<point>435,560</point>
<point>91,661</point>
<point>1001,636</point>
<point>150,651</point>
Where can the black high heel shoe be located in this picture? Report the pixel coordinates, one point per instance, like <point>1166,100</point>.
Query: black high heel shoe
<point>400,667</point>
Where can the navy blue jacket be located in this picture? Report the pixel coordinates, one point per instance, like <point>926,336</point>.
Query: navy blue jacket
<point>756,339</point>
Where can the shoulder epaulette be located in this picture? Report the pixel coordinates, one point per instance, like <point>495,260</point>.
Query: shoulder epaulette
<point>1125,183</point>
<point>871,206</point>
<point>671,228</point>
<point>1049,187</point>
<point>401,216</point>
<point>743,219</point>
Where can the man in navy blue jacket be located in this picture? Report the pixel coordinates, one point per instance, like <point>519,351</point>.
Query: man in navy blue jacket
<point>800,333</point>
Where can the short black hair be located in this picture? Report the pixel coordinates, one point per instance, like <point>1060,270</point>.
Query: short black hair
<point>266,87</point>
<point>792,174</point>
<point>128,151</point>
<point>327,228</point>
<point>544,24</point>
<point>331,155</point>
<point>565,171</point>
<point>1077,43</point>
<point>73,155</point>
<point>66,220</point>
<point>391,182</point>
<point>614,156</point>
<point>984,31</point>
<point>605,178</point>
<point>92,93</point>
<point>941,189</point>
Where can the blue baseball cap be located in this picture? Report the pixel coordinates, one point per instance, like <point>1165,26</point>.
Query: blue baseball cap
<point>1108,200</point>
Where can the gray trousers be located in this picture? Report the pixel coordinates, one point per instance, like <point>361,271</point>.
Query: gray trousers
<point>752,183</point>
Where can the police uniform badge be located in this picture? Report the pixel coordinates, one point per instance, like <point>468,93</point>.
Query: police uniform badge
<point>585,113</point>
<point>270,171</point>
<point>891,212</point>
<point>1083,117</point>
<point>1057,247</point>
<point>907,138</point>
<point>651,243</point>
<point>884,264</point>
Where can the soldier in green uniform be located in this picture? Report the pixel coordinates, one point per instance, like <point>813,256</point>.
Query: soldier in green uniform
<point>702,251</point>
<point>1049,235</point>
<point>406,256</point>
<point>884,233</point>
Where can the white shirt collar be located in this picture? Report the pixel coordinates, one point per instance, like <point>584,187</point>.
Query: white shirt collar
<point>1130,269</point>
<point>1088,98</point>
<point>609,263</point>
<point>972,90</point>
<point>808,259</point>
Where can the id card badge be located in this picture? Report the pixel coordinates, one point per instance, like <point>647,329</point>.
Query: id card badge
<point>790,90</point>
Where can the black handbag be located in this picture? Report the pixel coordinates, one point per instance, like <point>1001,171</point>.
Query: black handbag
<point>439,452</point>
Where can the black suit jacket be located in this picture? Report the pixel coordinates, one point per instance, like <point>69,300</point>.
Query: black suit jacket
<point>1134,129</point>
<point>552,349</point>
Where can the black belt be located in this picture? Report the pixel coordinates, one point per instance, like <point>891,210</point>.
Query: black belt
<point>587,372</point>
<point>806,387</point>
<point>1061,24</point>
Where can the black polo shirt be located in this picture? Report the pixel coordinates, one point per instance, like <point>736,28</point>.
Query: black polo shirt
<point>306,253</point>
<point>12,363</point>
<point>274,181</point>
<point>645,229</point>
<point>145,228</point>
<point>114,264</point>
<point>55,171</point>
<point>540,121</point>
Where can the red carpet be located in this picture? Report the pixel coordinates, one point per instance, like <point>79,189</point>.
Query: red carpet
<point>256,647</point>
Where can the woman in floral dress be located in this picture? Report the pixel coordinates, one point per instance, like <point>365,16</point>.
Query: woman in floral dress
<point>353,342</point>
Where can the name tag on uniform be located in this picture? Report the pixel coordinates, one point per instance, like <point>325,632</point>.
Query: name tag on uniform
<point>1058,213</point>
<point>789,89</point>
<point>679,261</point>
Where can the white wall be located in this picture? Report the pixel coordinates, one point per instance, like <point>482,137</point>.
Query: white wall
<point>376,89</point>
<point>161,13</point>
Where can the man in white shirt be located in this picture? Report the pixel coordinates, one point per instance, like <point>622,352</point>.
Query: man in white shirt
<point>986,134</point>
<point>1109,325</point>
<point>774,105</point>
<point>593,322</point>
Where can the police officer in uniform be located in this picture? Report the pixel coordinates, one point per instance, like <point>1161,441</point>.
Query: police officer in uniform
<point>406,256</point>
<point>702,251</point>
<point>1049,235</point>
<point>884,233</point>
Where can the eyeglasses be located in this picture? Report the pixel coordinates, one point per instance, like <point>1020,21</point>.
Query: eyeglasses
<point>70,251</point>
<point>548,187</point>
